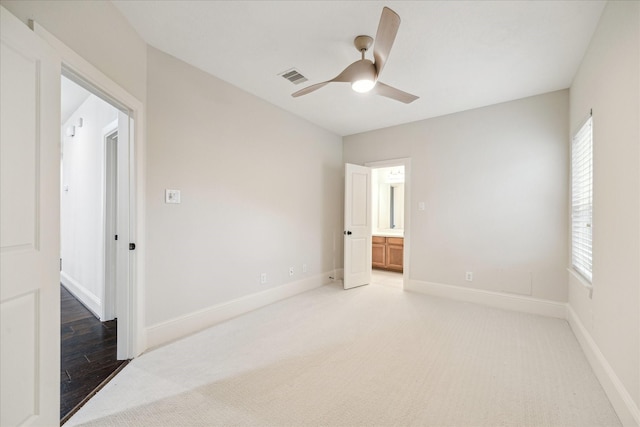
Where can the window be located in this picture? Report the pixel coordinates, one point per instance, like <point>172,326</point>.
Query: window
<point>582,200</point>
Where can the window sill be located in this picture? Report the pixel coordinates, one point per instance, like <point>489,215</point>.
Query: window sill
<point>588,287</point>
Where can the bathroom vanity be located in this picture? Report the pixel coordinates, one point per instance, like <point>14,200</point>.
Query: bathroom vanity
<point>387,252</point>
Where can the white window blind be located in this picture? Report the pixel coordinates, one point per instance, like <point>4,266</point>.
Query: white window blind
<point>582,200</point>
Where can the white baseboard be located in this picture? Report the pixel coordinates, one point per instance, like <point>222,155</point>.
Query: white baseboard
<point>494,299</point>
<point>338,274</point>
<point>187,324</point>
<point>620,398</point>
<point>81,293</point>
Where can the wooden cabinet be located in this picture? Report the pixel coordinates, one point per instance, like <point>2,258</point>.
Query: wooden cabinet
<point>378,252</point>
<point>395,252</point>
<point>387,252</point>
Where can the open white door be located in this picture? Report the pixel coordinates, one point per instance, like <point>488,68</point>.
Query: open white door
<point>123,251</point>
<point>29,227</point>
<point>357,226</point>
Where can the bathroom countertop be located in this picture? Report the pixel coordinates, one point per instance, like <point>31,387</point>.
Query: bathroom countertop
<point>388,233</point>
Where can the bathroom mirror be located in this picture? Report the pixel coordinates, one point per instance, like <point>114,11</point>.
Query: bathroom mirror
<point>388,200</point>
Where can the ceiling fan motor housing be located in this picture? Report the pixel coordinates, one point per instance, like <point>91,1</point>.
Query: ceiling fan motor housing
<point>363,43</point>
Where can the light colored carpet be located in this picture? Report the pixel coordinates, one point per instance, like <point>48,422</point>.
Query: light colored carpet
<point>386,278</point>
<point>370,356</point>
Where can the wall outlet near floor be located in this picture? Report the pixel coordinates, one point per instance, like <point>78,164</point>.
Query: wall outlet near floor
<point>469,276</point>
<point>304,268</point>
<point>263,278</point>
<point>290,271</point>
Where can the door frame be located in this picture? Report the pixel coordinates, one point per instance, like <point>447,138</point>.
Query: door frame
<point>108,295</point>
<point>406,249</point>
<point>81,71</point>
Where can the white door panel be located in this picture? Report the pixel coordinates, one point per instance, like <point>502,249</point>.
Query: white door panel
<point>29,227</point>
<point>357,220</point>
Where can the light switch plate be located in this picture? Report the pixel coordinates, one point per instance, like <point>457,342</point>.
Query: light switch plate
<point>172,196</point>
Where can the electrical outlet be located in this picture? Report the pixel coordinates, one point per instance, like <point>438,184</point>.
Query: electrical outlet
<point>290,271</point>
<point>304,268</point>
<point>469,276</point>
<point>263,278</point>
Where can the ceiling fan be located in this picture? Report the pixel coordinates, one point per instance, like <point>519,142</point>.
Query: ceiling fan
<point>363,74</point>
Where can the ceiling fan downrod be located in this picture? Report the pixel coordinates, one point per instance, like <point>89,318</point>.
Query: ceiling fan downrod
<point>363,43</point>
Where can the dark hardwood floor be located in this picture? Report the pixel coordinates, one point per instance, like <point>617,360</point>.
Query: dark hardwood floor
<point>88,353</point>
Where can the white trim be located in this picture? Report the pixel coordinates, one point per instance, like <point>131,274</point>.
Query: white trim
<point>501,300</point>
<point>620,398</point>
<point>337,276</point>
<point>406,247</point>
<point>109,220</point>
<point>88,299</point>
<point>190,323</point>
<point>586,285</point>
<point>74,63</point>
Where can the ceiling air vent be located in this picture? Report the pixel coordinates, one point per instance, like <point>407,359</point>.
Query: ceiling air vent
<point>293,76</point>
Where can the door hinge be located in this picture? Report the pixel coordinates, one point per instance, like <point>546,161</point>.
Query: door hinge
<point>132,246</point>
<point>60,264</point>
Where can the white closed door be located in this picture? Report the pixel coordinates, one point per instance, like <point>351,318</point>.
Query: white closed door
<point>357,226</point>
<point>29,227</point>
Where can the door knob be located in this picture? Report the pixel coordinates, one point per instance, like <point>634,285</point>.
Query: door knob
<point>348,233</point>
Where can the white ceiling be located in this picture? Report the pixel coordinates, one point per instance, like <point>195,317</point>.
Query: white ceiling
<point>71,98</point>
<point>455,55</point>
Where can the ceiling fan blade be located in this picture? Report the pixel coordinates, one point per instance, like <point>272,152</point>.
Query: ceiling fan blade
<point>362,68</point>
<point>393,93</point>
<point>348,75</point>
<point>310,89</point>
<point>386,35</point>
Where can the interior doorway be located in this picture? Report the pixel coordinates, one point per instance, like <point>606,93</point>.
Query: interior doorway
<point>390,205</point>
<point>88,206</point>
<point>32,62</point>
<point>94,262</point>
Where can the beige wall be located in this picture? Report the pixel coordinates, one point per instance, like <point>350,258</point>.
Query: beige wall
<point>97,31</point>
<point>494,184</point>
<point>261,191</point>
<point>261,188</point>
<point>608,82</point>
